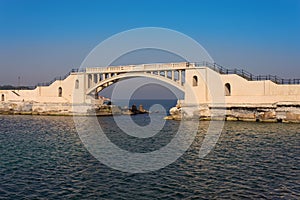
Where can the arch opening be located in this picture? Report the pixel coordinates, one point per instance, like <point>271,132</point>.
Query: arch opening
<point>195,81</point>
<point>77,84</point>
<point>2,97</point>
<point>95,78</point>
<point>227,89</point>
<point>146,89</point>
<point>59,92</point>
<point>105,83</point>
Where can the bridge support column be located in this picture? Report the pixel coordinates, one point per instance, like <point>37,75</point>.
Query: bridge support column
<point>92,80</point>
<point>173,75</point>
<point>180,77</point>
<point>89,80</point>
<point>166,74</point>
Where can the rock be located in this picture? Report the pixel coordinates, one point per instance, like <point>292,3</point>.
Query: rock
<point>176,113</point>
<point>141,108</point>
<point>267,116</point>
<point>231,118</point>
<point>292,117</point>
<point>246,116</point>
<point>169,117</point>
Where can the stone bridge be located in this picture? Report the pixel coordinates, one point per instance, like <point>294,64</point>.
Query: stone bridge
<point>99,78</point>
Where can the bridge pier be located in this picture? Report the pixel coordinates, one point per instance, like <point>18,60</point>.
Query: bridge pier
<point>173,75</point>
<point>180,77</point>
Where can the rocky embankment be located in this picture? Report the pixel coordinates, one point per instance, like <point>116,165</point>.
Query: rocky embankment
<point>65,109</point>
<point>34,108</point>
<point>280,112</point>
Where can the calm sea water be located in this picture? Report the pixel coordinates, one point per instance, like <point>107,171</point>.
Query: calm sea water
<point>154,105</point>
<point>42,157</point>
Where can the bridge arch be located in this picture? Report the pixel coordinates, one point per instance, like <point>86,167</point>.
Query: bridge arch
<point>109,81</point>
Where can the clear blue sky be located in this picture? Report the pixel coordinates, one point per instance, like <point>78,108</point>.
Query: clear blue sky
<point>43,39</point>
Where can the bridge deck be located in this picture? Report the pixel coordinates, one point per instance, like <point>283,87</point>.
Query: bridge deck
<point>138,68</point>
<point>177,66</point>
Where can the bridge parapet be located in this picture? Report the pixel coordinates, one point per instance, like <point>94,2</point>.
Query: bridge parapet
<point>138,68</point>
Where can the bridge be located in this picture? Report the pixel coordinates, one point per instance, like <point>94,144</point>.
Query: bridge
<point>238,86</point>
<point>187,77</point>
<point>100,78</point>
<point>78,91</point>
<point>113,70</point>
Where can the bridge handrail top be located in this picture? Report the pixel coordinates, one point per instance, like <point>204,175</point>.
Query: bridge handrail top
<point>247,75</point>
<point>146,66</point>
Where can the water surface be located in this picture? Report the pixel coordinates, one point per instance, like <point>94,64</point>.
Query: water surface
<point>43,158</point>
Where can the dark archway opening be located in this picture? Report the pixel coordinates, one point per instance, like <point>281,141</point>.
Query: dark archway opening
<point>227,89</point>
<point>59,92</point>
<point>195,81</point>
<point>77,84</point>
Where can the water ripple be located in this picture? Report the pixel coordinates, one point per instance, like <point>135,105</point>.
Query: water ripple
<point>43,158</point>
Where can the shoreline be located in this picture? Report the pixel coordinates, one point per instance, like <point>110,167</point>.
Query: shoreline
<point>65,109</point>
<point>284,112</point>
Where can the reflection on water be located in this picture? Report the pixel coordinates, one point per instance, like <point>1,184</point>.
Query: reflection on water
<point>43,157</point>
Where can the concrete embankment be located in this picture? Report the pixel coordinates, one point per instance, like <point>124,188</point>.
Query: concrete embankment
<point>280,112</point>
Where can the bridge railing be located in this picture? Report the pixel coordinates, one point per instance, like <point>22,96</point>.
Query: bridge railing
<point>214,66</point>
<point>139,67</point>
<point>247,75</point>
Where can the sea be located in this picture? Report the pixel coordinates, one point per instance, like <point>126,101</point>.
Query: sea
<point>43,157</point>
<point>153,105</point>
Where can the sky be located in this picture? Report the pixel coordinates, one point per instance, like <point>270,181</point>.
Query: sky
<point>40,40</point>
